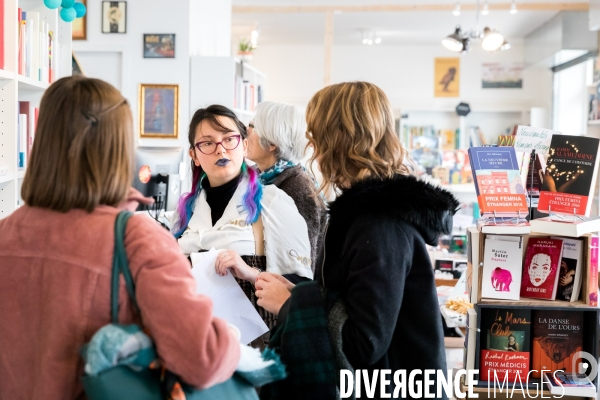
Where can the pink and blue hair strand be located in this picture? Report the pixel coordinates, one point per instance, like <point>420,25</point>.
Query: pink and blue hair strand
<point>253,195</point>
<point>185,206</point>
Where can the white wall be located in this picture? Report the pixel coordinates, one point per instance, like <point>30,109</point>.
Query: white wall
<point>143,16</point>
<point>405,73</point>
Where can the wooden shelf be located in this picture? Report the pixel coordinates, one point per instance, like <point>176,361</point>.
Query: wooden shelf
<point>7,178</point>
<point>26,83</point>
<point>525,302</point>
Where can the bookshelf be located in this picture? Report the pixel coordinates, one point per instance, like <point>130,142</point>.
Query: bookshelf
<point>476,331</point>
<point>227,81</point>
<point>15,88</point>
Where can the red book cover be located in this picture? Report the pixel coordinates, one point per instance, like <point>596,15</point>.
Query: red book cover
<point>593,280</point>
<point>541,268</point>
<point>557,336</point>
<point>505,341</point>
<point>570,177</point>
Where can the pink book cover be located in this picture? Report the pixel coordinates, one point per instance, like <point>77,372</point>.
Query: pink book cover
<point>593,281</point>
<point>540,270</point>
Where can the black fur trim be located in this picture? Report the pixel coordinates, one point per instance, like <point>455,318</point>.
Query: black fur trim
<point>429,208</point>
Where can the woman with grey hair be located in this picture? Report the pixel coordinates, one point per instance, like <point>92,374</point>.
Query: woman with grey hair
<point>276,143</point>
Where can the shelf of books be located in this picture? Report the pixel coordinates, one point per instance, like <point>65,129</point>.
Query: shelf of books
<point>227,81</point>
<point>35,51</point>
<point>534,284</point>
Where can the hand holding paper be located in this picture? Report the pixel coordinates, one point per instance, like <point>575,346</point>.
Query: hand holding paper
<point>229,300</point>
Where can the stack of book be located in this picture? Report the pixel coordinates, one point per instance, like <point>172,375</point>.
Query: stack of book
<point>36,47</point>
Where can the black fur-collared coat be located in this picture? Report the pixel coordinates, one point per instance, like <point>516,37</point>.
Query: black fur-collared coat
<point>375,256</point>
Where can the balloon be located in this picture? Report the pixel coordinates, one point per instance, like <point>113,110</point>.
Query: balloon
<point>80,9</point>
<point>68,14</point>
<point>52,4</point>
<point>67,3</point>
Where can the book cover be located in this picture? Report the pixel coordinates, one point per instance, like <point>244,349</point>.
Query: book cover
<point>505,343</point>
<point>557,336</point>
<point>571,265</point>
<point>570,175</point>
<point>502,268</point>
<point>593,279</point>
<point>564,384</point>
<point>497,180</point>
<point>540,271</point>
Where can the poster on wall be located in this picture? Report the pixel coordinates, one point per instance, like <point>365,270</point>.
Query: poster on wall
<point>114,17</point>
<point>159,45</point>
<point>158,105</point>
<point>447,77</point>
<point>502,76</point>
<point>79,29</point>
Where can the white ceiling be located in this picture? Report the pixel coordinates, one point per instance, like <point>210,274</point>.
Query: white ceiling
<point>404,27</point>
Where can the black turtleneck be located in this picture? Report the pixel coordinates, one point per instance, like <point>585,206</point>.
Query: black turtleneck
<point>218,197</point>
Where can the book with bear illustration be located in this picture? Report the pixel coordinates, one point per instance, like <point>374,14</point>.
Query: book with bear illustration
<point>505,343</point>
<point>557,336</point>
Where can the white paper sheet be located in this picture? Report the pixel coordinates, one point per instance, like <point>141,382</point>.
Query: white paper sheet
<point>229,301</point>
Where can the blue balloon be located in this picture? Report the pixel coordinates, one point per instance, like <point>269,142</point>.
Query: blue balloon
<point>67,3</point>
<point>68,14</point>
<point>52,4</point>
<point>80,9</point>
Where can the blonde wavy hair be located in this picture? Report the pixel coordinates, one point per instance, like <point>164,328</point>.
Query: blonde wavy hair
<point>351,127</point>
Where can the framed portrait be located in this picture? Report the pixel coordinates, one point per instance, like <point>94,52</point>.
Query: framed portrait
<point>114,17</point>
<point>158,109</point>
<point>447,77</point>
<point>159,45</point>
<point>79,26</point>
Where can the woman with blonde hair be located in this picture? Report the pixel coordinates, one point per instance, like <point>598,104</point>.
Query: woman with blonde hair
<point>276,143</point>
<point>56,257</point>
<point>375,256</point>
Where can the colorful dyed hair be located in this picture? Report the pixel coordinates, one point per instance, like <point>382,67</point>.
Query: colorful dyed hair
<point>253,195</point>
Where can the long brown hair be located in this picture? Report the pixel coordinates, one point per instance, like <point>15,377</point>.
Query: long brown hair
<point>351,126</point>
<point>82,155</point>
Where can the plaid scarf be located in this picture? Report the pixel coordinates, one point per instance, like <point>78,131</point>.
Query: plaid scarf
<point>305,349</point>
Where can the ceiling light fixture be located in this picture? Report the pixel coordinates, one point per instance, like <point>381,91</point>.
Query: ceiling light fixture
<point>455,41</point>
<point>457,9</point>
<point>513,7</point>
<point>460,41</point>
<point>492,40</point>
<point>486,8</point>
<point>369,37</point>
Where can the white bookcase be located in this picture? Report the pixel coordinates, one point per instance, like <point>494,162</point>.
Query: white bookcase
<point>215,80</point>
<point>15,88</point>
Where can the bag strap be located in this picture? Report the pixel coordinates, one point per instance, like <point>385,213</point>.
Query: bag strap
<point>259,238</point>
<point>120,266</point>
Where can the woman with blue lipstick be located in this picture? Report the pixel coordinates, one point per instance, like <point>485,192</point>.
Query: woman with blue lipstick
<point>227,206</point>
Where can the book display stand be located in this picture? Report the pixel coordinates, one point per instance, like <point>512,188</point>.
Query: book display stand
<point>492,315</point>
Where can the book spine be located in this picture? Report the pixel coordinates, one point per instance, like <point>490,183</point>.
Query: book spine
<point>593,280</point>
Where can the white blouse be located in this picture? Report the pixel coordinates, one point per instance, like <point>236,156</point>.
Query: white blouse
<point>285,233</point>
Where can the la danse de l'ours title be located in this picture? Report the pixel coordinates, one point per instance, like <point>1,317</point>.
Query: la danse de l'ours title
<point>558,324</point>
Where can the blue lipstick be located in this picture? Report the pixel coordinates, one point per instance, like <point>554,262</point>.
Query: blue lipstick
<point>221,162</point>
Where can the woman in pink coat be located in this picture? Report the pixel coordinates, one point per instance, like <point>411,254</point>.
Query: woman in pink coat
<point>56,257</point>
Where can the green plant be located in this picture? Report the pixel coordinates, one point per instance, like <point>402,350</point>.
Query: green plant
<point>245,46</point>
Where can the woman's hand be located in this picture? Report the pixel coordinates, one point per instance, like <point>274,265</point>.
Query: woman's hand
<point>271,292</point>
<point>230,259</point>
<point>134,197</point>
<point>289,285</point>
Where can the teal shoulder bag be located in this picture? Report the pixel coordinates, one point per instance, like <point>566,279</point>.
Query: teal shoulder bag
<point>122,382</point>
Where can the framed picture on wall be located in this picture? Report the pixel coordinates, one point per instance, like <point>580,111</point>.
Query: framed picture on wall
<point>158,111</point>
<point>114,17</point>
<point>79,26</point>
<point>447,77</point>
<point>159,45</point>
<point>77,70</point>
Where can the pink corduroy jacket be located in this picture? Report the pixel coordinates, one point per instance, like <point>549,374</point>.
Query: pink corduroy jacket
<point>55,271</point>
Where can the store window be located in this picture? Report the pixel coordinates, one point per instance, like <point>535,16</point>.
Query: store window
<point>571,99</point>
